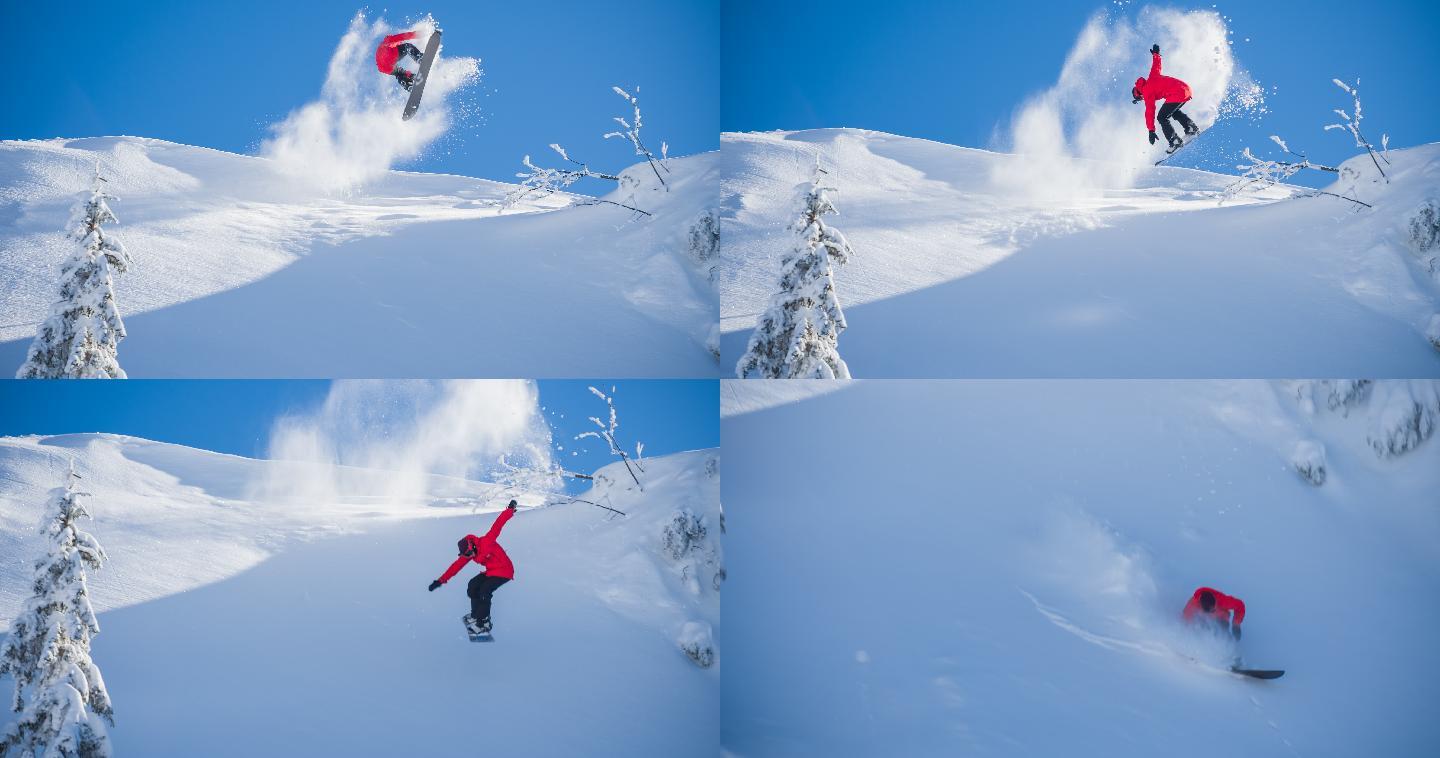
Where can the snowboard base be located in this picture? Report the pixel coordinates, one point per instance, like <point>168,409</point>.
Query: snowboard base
<point>432,47</point>
<point>1259,673</point>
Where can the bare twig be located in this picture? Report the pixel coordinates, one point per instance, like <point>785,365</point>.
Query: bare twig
<point>1352,125</point>
<point>632,133</point>
<point>597,505</point>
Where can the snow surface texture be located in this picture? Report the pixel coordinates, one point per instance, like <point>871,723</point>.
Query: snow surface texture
<point>903,597</point>
<point>316,260</point>
<point>301,621</point>
<point>240,272</point>
<point>954,276</point>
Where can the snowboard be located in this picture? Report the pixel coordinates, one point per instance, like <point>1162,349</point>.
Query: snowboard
<point>482,637</point>
<point>1169,152</point>
<point>418,88</point>
<point>1259,673</point>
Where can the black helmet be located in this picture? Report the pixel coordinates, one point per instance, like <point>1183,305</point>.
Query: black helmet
<point>1207,601</point>
<point>466,546</point>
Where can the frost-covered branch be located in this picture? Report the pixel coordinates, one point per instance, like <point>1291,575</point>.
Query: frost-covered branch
<point>607,433</point>
<point>541,181</point>
<point>1261,173</point>
<point>631,131</point>
<point>1351,123</point>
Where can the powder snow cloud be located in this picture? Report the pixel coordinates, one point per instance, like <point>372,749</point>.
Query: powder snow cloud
<point>1083,133</point>
<point>409,429</point>
<point>353,133</point>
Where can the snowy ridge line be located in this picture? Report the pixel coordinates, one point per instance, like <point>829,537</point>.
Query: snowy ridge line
<point>1150,279</point>
<point>224,242</point>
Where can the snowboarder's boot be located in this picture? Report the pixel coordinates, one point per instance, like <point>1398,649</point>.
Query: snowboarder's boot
<point>475,627</point>
<point>407,79</point>
<point>1190,128</point>
<point>1175,142</point>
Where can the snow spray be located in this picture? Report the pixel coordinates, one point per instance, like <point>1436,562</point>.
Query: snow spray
<point>411,431</point>
<point>1083,134</point>
<point>354,133</point>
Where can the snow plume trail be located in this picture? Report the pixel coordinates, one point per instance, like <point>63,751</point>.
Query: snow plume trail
<point>1083,134</point>
<point>411,431</point>
<point>353,133</point>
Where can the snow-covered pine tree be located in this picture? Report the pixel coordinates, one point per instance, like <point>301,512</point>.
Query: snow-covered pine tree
<point>59,692</point>
<point>798,335</point>
<point>80,338</point>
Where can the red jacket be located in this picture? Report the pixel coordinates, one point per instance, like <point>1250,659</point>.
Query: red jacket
<point>487,552</point>
<point>1157,87</point>
<point>386,55</point>
<point>1224,606</point>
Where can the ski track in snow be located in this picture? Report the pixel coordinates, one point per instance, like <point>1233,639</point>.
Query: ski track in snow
<point>954,275</point>
<point>1030,567</point>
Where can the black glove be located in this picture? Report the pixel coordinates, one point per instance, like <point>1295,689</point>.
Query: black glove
<point>435,585</point>
<point>511,506</point>
<point>1153,137</point>
<point>1235,631</point>
<point>1155,49</point>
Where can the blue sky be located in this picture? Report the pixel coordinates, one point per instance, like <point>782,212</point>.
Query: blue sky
<point>236,416</point>
<point>953,72</point>
<point>217,74</point>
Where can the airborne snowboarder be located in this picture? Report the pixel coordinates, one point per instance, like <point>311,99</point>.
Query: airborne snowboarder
<point>1174,92</point>
<point>498,570</point>
<point>391,51</point>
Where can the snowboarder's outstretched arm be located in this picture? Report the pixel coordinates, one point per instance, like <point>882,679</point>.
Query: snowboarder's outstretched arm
<point>453,570</point>
<point>1154,61</point>
<point>504,516</point>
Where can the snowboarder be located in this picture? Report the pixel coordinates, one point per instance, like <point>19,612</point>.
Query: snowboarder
<point>391,51</point>
<point>1217,608</point>
<point>1174,92</point>
<point>498,570</point>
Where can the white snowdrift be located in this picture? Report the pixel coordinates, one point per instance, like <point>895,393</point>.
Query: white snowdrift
<point>956,276</point>
<point>309,624</point>
<point>934,568</point>
<point>241,271</point>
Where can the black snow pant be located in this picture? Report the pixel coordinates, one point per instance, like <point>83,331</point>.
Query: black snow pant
<point>405,48</point>
<point>480,589</point>
<point>407,79</point>
<point>1172,110</point>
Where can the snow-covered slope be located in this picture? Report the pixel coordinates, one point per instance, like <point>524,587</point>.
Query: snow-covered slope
<point>963,270</point>
<point>241,270</point>
<point>235,626</point>
<point>998,568</point>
